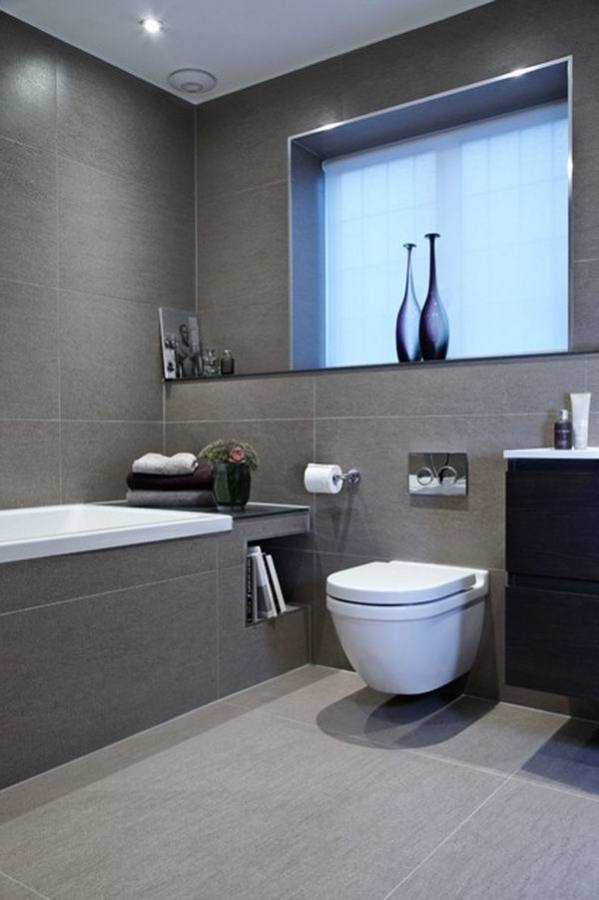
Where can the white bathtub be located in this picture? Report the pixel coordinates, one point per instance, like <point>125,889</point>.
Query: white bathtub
<point>58,530</point>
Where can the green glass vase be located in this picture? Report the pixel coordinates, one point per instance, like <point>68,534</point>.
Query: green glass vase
<point>232,485</point>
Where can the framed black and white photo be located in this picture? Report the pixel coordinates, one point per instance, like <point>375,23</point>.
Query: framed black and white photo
<point>180,342</point>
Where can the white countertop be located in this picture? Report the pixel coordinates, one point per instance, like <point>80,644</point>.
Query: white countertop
<point>550,453</point>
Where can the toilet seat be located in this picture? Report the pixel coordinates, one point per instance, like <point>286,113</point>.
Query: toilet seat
<point>399,583</point>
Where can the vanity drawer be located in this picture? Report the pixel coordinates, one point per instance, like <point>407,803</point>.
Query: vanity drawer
<point>552,641</point>
<point>552,524</point>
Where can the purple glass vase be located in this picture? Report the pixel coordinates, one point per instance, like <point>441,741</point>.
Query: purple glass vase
<point>407,340</point>
<point>434,325</point>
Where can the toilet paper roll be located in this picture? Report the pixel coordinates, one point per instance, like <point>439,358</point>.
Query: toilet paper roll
<point>322,479</point>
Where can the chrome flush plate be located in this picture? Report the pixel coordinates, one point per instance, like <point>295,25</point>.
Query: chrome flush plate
<point>438,474</point>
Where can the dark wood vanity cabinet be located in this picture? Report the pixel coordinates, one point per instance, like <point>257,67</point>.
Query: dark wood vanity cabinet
<point>552,557</point>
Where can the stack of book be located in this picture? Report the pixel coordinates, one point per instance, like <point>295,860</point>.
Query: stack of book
<point>264,597</point>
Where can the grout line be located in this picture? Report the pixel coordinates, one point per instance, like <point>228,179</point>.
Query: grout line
<point>58,316</point>
<point>196,232</point>
<point>23,885</point>
<point>217,617</point>
<point>350,418</point>
<point>446,839</point>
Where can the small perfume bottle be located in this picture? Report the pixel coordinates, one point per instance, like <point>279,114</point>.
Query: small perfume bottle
<point>562,431</point>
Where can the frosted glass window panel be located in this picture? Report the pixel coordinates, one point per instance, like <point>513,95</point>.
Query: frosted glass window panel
<point>497,191</point>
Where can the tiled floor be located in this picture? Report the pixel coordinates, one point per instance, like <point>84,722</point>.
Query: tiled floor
<point>313,787</point>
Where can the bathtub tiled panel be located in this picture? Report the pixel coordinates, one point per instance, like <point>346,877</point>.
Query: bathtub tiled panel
<point>81,674</point>
<point>98,646</point>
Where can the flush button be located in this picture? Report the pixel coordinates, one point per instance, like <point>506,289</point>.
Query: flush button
<point>440,474</point>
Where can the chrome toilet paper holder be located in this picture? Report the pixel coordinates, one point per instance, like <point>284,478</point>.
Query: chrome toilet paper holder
<point>351,477</point>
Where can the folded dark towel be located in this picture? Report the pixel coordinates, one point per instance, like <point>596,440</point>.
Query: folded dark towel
<point>172,499</point>
<point>201,480</point>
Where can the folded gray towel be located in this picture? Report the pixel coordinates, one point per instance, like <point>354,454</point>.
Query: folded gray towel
<point>157,464</point>
<point>172,499</point>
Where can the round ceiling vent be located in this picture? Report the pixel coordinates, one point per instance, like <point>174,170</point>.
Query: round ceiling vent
<point>192,81</point>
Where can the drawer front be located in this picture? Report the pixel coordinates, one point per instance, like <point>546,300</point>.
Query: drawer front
<point>552,524</point>
<point>552,641</point>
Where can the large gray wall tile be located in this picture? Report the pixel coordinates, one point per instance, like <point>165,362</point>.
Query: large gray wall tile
<point>261,344</point>
<point>96,457</point>
<point>28,352</point>
<point>260,398</point>
<point>242,138</point>
<point>249,654</point>
<point>242,247</point>
<point>29,463</point>
<point>27,84</point>
<point>585,324</point>
<point>110,366</point>
<point>28,233</point>
<point>527,386</point>
<point>85,673</point>
<point>36,582</point>
<point>109,120</point>
<point>122,240</point>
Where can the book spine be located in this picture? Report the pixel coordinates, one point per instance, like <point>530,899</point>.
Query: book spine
<point>275,583</point>
<point>249,590</point>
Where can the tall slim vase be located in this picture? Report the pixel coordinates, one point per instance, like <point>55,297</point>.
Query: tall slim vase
<point>434,325</point>
<point>407,340</point>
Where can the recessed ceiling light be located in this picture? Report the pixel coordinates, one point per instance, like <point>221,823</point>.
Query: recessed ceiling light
<point>151,25</point>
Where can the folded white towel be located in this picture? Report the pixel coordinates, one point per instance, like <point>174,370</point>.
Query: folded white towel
<point>157,464</point>
<point>171,499</point>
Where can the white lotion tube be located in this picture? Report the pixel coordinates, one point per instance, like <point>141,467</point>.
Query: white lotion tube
<point>581,406</point>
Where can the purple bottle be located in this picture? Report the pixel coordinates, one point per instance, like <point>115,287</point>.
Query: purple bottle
<point>434,325</point>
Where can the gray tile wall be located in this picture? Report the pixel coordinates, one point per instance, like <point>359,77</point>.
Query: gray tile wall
<point>372,419</point>
<point>96,231</point>
<point>242,154</point>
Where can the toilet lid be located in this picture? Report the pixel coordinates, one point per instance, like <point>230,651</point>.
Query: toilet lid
<point>398,582</point>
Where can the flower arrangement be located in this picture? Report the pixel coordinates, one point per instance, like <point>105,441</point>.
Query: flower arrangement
<point>230,452</point>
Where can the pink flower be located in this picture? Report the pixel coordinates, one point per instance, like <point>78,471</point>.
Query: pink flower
<point>237,455</point>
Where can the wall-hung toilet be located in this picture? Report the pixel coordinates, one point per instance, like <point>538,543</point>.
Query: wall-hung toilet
<point>406,627</point>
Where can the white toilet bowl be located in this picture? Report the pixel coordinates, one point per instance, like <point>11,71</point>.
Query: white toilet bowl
<point>408,628</point>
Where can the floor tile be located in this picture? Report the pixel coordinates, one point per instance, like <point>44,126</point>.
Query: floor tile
<point>300,694</point>
<point>526,842</point>
<point>569,760</point>
<point>255,807</point>
<point>11,890</point>
<point>481,733</point>
<point>467,730</point>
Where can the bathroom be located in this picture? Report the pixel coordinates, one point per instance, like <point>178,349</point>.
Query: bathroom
<point>151,743</point>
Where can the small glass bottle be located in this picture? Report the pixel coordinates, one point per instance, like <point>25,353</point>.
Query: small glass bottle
<point>227,363</point>
<point>562,431</point>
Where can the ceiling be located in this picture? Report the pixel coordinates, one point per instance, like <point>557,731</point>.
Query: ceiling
<point>241,42</point>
